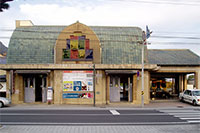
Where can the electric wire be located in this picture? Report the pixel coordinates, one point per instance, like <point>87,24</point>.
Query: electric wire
<point>190,3</point>
<point>110,34</point>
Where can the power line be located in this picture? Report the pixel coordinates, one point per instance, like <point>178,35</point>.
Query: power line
<point>174,43</point>
<point>102,33</point>
<point>54,31</point>
<point>160,2</point>
<point>126,35</point>
<point>51,31</point>
<point>119,41</point>
<point>176,37</point>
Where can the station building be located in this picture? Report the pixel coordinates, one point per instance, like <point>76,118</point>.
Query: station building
<point>86,64</point>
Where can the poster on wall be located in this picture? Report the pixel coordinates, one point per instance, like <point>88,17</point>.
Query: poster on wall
<point>77,95</point>
<point>77,81</point>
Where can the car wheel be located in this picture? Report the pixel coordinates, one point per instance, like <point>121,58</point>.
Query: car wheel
<point>182,99</point>
<point>1,104</point>
<point>194,103</point>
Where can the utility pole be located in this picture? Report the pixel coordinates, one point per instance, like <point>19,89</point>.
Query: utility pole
<point>94,83</point>
<point>145,36</point>
<point>142,90</point>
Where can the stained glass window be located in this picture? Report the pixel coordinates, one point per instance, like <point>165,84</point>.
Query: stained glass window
<point>78,48</point>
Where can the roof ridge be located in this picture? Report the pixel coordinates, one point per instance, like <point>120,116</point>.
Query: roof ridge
<point>106,26</point>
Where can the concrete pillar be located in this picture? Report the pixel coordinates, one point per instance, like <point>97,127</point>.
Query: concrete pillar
<point>197,79</point>
<point>8,84</point>
<point>175,91</point>
<point>57,87</point>
<point>146,89</point>
<point>137,91</point>
<point>181,83</point>
<point>134,88</point>
<point>107,89</point>
<point>185,82</point>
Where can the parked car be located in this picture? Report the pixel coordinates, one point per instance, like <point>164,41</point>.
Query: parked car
<point>191,96</point>
<point>4,102</point>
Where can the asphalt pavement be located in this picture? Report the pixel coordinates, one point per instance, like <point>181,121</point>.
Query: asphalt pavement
<point>159,117</point>
<point>87,117</point>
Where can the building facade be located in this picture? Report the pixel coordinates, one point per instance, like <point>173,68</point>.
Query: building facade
<point>86,64</point>
<point>3,52</point>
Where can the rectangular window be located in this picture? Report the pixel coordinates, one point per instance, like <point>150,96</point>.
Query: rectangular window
<point>26,82</point>
<point>81,54</point>
<point>66,54</point>
<point>74,54</point>
<point>31,83</point>
<point>89,54</point>
<point>68,44</point>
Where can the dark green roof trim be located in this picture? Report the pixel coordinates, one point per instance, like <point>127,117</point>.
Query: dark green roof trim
<point>171,57</point>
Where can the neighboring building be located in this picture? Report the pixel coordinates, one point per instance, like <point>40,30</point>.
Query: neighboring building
<point>63,58</point>
<point>3,52</point>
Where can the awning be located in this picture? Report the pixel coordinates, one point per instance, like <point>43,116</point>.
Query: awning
<point>32,71</point>
<point>121,71</point>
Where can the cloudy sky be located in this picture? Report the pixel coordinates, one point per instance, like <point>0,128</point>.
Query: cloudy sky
<point>175,24</point>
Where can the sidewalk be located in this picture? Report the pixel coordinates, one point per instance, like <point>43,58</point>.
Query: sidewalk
<point>102,129</point>
<point>151,105</point>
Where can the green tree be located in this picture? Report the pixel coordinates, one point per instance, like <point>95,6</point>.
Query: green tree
<point>4,5</point>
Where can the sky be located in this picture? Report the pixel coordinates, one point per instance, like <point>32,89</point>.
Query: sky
<point>175,24</point>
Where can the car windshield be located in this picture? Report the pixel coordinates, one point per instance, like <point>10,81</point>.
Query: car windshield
<point>196,93</point>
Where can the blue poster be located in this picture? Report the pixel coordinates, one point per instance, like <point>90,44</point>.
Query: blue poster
<point>71,95</point>
<point>77,85</point>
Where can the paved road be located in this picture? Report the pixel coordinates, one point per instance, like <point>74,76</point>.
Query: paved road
<point>99,117</point>
<point>189,115</point>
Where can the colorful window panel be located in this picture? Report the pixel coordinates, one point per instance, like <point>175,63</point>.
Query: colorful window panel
<point>87,44</point>
<point>89,54</point>
<point>74,54</point>
<point>74,44</point>
<point>81,54</point>
<point>68,44</point>
<point>66,54</point>
<point>77,48</point>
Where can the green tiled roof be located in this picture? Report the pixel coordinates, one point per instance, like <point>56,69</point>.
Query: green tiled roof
<point>173,57</point>
<point>35,44</point>
<point>119,44</point>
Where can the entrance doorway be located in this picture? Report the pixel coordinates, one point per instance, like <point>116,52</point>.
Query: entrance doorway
<point>38,89</point>
<point>35,89</point>
<point>166,85</point>
<point>121,88</point>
